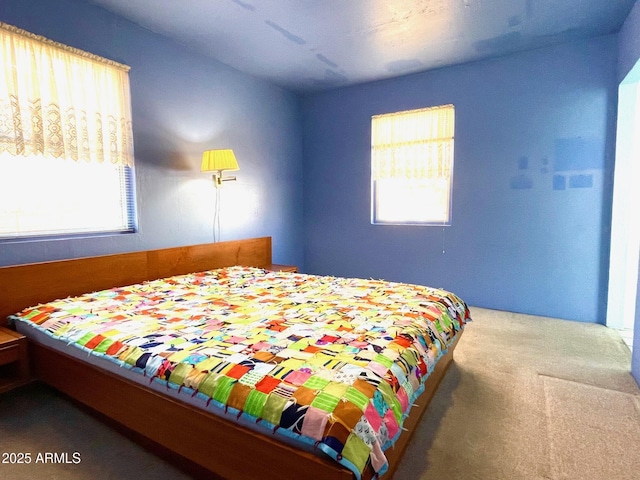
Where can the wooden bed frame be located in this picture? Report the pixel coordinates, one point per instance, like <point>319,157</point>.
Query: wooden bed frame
<point>211,442</point>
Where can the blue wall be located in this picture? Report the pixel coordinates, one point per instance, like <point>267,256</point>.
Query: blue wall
<point>629,43</point>
<point>629,56</point>
<point>183,103</point>
<point>532,189</point>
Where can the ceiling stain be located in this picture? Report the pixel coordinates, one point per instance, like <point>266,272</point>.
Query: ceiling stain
<point>246,6</point>
<point>434,7</point>
<point>334,77</point>
<point>324,59</point>
<point>286,33</point>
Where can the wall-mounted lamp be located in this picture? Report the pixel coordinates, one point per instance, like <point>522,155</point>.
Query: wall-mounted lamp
<point>217,161</point>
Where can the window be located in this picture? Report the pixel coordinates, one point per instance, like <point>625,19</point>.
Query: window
<point>66,146</point>
<point>412,166</point>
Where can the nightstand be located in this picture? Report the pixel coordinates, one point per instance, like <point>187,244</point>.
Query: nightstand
<point>274,267</point>
<point>14,361</point>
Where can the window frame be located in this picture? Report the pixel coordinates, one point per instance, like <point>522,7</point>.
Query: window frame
<point>374,183</point>
<point>100,135</point>
<point>128,196</point>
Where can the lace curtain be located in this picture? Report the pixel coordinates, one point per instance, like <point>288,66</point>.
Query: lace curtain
<point>413,145</point>
<point>61,102</point>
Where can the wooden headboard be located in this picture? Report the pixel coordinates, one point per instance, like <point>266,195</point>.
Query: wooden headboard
<point>24,285</point>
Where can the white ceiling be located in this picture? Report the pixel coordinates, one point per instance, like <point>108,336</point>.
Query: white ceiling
<point>313,45</point>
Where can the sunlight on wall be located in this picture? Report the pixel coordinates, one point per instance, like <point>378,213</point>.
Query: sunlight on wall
<point>194,124</point>
<point>625,225</point>
<point>239,205</point>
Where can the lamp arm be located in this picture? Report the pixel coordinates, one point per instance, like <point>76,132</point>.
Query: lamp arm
<point>218,178</point>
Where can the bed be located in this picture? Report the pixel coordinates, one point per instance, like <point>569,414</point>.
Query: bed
<point>312,376</point>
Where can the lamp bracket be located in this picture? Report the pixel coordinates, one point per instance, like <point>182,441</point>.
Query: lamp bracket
<point>218,178</point>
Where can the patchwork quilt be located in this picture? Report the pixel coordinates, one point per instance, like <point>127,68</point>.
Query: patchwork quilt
<point>334,363</point>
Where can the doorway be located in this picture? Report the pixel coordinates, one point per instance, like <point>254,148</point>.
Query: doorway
<point>625,221</point>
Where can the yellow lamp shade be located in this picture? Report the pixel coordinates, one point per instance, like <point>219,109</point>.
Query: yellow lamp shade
<point>217,160</point>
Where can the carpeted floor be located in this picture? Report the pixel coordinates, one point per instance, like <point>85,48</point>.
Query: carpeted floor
<point>36,420</point>
<point>599,425</point>
<point>526,398</point>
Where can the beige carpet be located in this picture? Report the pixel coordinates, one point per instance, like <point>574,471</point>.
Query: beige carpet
<point>590,429</point>
<point>531,398</point>
<point>526,398</point>
<point>36,420</point>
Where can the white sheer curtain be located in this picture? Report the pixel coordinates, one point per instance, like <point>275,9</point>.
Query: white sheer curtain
<point>61,102</point>
<point>412,164</point>
<point>414,144</point>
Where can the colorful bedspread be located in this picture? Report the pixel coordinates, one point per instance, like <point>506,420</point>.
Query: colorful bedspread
<point>331,362</point>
